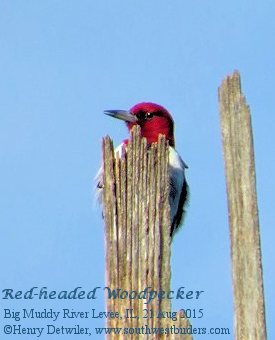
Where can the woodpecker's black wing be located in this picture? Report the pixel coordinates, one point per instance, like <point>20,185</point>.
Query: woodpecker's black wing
<point>178,218</point>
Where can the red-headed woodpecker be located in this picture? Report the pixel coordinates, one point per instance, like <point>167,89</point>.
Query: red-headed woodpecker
<point>154,120</point>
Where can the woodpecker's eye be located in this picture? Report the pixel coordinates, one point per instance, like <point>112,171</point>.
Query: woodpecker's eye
<point>148,115</point>
<point>144,115</point>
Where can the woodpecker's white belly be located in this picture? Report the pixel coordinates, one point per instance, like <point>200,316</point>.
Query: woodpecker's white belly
<point>178,185</point>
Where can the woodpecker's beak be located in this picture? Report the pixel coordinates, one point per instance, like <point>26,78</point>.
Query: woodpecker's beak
<point>122,114</point>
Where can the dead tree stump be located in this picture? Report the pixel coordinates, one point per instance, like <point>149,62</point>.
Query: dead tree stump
<point>137,236</point>
<point>237,139</point>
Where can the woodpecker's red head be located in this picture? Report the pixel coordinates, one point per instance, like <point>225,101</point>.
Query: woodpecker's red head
<point>153,120</point>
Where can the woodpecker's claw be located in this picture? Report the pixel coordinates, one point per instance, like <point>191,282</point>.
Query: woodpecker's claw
<point>122,114</point>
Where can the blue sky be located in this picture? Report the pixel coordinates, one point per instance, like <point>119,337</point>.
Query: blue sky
<point>61,64</point>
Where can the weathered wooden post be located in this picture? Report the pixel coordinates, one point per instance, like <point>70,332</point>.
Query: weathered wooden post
<point>137,237</point>
<point>243,211</point>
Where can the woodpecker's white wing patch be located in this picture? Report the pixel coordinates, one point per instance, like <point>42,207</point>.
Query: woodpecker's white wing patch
<point>178,188</point>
